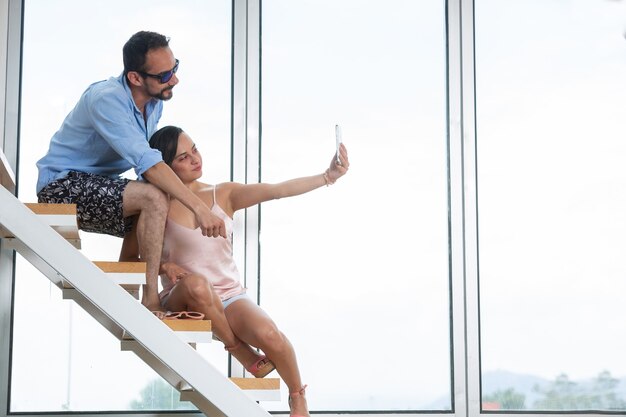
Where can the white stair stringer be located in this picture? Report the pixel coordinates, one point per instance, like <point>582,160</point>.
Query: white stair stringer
<point>115,309</point>
<point>7,176</point>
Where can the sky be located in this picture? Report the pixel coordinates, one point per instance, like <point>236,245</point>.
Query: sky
<point>550,147</point>
<point>357,274</point>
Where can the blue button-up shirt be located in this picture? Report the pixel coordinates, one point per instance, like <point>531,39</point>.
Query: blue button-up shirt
<point>105,134</point>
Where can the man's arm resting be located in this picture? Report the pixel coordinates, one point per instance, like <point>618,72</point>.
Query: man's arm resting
<point>162,176</point>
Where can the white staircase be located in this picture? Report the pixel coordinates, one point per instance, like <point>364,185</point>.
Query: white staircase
<point>163,346</point>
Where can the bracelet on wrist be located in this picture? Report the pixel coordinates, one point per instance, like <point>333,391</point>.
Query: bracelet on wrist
<point>327,178</point>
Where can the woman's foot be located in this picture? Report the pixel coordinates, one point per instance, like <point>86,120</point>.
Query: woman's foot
<point>261,367</point>
<point>258,365</point>
<point>297,403</point>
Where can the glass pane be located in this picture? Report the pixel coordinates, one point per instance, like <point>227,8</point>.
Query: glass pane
<point>551,202</point>
<point>356,274</point>
<point>68,44</point>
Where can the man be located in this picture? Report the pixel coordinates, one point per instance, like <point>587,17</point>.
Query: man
<point>106,134</point>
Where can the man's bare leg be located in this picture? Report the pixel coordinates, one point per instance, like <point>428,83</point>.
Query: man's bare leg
<point>151,205</point>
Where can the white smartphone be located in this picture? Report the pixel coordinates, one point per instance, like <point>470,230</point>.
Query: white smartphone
<point>338,141</point>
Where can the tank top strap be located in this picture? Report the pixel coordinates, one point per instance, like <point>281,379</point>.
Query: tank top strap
<point>214,199</point>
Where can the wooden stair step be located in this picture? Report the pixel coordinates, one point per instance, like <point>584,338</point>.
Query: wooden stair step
<point>263,384</point>
<point>61,217</point>
<point>129,275</point>
<point>259,389</point>
<point>190,331</point>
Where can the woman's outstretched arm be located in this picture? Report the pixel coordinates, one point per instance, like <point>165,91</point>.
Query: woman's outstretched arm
<point>242,196</point>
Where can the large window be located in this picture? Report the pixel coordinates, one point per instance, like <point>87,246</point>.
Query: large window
<point>360,275</point>
<point>551,202</point>
<point>357,274</point>
<point>69,44</point>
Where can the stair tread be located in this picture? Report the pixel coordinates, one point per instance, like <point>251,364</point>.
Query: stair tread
<point>257,383</point>
<point>52,209</point>
<point>188,325</point>
<point>129,275</point>
<point>61,217</point>
<point>190,331</point>
<point>259,389</point>
<point>246,384</point>
<point>122,267</point>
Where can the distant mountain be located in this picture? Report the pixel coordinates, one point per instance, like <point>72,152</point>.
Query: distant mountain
<point>522,383</point>
<point>525,384</point>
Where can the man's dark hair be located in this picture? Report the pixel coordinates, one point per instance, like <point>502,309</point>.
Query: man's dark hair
<point>136,48</point>
<point>166,140</point>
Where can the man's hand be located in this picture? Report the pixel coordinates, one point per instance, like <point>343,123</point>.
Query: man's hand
<point>164,178</point>
<point>210,224</point>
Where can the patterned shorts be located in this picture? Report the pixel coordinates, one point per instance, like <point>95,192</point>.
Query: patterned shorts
<point>98,201</point>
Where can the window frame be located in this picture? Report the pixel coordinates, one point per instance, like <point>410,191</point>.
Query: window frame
<point>10,77</point>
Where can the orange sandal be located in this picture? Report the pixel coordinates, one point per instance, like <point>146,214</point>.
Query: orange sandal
<point>300,392</point>
<point>254,368</point>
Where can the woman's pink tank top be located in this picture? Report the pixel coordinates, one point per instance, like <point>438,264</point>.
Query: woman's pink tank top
<point>211,257</point>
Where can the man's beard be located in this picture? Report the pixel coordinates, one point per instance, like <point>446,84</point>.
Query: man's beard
<point>164,94</point>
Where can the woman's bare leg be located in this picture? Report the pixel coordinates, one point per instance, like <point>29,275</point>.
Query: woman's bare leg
<point>195,293</point>
<point>253,326</point>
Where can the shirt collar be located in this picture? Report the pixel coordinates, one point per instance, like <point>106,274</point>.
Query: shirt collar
<point>149,105</point>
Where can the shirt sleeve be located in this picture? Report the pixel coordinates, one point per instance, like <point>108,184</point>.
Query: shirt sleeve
<point>115,121</point>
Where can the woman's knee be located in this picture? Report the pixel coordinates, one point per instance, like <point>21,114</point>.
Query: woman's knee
<point>200,290</point>
<point>271,338</point>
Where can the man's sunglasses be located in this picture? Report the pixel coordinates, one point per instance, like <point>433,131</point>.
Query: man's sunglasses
<point>163,77</point>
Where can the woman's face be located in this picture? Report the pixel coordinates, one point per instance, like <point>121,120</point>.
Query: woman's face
<point>187,163</point>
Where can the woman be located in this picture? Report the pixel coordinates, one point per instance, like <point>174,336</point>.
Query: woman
<point>199,273</point>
